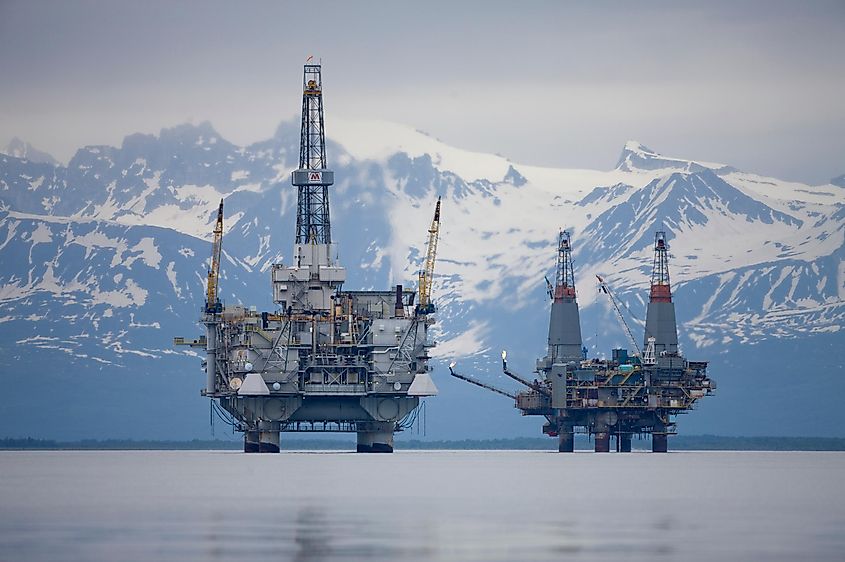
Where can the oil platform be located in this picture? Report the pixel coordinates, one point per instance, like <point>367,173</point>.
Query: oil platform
<point>327,359</point>
<point>636,394</point>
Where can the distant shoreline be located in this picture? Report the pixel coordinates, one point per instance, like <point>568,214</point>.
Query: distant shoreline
<point>677,443</point>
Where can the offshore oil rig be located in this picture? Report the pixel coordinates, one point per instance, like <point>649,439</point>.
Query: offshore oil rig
<point>327,359</point>
<point>629,395</point>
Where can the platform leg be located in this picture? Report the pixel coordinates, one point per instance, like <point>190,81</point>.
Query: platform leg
<point>566,441</point>
<point>250,441</point>
<point>602,442</point>
<point>659,443</point>
<point>376,439</point>
<point>268,437</point>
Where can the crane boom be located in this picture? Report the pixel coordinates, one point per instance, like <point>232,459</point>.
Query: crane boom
<point>603,286</point>
<point>550,290</point>
<point>212,301</point>
<point>426,277</point>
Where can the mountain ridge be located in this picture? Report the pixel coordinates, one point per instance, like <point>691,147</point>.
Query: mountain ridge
<point>755,259</point>
<point>21,149</point>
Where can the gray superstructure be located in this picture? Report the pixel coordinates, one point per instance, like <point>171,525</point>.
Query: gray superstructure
<point>564,318</point>
<point>327,359</point>
<point>660,322</point>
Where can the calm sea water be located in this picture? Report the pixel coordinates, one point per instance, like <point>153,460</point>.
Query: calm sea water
<point>421,505</point>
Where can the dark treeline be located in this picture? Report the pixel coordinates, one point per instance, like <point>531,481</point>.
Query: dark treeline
<point>677,443</point>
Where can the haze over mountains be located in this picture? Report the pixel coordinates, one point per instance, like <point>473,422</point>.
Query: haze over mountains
<point>104,261</point>
<point>21,149</point>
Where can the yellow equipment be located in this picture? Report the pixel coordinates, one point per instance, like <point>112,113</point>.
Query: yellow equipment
<point>425,306</point>
<point>212,302</point>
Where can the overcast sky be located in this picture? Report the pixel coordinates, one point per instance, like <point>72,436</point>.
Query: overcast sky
<point>759,85</point>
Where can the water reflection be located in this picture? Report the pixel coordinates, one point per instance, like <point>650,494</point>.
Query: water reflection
<point>423,506</point>
<point>312,535</point>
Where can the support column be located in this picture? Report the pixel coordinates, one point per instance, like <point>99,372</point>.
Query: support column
<point>268,437</point>
<point>566,441</point>
<point>602,441</point>
<point>251,441</point>
<point>659,438</point>
<point>624,443</point>
<point>378,438</point>
<point>659,442</point>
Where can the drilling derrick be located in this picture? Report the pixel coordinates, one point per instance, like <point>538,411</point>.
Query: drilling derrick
<point>312,179</point>
<point>660,318</point>
<point>621,397</point>
<point>564,320</point>
<point>313,252</point>
<point>327,359</point>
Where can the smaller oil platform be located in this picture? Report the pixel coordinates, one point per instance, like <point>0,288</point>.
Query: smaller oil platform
<point>630,394</point>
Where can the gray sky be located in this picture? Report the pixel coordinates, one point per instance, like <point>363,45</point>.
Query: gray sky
<point>759,85</point>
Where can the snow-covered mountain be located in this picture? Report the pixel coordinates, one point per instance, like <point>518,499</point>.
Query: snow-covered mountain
<point>21,149</point>
<point>104,260</point>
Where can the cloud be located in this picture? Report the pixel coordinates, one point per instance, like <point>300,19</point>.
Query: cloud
<point>754,84</point>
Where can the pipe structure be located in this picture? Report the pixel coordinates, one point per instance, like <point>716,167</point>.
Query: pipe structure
<point>519,379</point>
<point>210,357</point>
<point>477,382</point>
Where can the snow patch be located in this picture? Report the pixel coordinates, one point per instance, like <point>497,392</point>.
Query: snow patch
<point>378,140</point>
<point>131,295</point>
<point>149,252</point>
<point>35,184</point>
<point>171,276</point>
<point>134,324</point>
<point>466,344</point>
